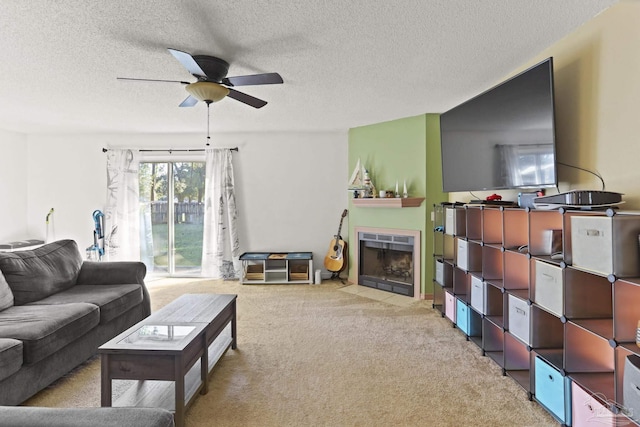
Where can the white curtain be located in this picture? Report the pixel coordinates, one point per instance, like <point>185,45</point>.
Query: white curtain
<point>221,246</point>
<point>122,212</point>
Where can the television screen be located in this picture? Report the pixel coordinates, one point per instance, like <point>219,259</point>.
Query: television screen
<point>503,138</point>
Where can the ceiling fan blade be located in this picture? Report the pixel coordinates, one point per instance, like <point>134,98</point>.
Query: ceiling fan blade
<point>152,80</point>
<point>188,62</point>
<point>189,101</point>
<point>253,79</point>
<point>247,99</point>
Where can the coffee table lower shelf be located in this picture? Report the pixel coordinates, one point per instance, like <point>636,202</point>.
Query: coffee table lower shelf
<point>161,394</point>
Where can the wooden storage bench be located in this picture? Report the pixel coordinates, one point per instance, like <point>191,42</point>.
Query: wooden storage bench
<point>277,267</point>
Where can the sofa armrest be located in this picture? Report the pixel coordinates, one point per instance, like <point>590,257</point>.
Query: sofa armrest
<point>115,273</point>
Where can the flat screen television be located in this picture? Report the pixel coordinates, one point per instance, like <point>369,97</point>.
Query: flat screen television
<point>503,138</point>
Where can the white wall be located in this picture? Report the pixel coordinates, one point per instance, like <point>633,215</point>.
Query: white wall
<point>290,186</point>
<point>13,187</point>
<point>68,174</point>
<point>294,189</point>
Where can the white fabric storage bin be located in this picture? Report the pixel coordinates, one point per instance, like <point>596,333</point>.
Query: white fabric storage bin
<point>449,221</point>
<point>454,221</point>
<point>462,254</point>
<point>440,272</point>
<point>519,314</point>
<point>549,292</point>
<point>606,245</point>
<point>478,294</point>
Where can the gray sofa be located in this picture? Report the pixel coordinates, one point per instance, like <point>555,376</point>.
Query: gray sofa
<point>20,416</point>
<point>56,310</point>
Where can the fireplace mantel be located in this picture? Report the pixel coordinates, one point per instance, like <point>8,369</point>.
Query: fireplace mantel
<point>393,202</point>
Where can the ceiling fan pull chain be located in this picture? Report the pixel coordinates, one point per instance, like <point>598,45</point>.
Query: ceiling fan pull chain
<point>208,117</point>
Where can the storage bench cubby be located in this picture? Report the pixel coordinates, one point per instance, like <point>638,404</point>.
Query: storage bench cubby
<point>516,271</point>
<point>461,285</point>
<point>493,341</point>
<point>492,265</point>
<point>547,330</point>
<point>626,306</point>
<point>517,361</point>
<point>494,308</point>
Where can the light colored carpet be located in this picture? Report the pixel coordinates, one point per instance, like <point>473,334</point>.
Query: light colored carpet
<point>311,355</point>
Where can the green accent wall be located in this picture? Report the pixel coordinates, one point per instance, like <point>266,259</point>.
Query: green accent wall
<point>407,148</point>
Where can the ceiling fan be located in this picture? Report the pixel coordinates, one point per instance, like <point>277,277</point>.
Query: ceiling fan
<point>212,83</point>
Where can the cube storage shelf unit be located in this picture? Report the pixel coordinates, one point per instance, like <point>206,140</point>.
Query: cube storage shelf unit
<point>276,267</point>
<point>552,297</point>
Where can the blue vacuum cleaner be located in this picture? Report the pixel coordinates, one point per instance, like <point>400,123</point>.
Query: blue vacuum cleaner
<point>96,251</point>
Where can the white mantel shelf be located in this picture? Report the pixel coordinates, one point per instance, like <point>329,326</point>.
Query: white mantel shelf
<point>393,202</point>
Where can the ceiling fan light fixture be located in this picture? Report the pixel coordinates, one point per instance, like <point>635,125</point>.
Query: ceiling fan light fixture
<point>207,91</point>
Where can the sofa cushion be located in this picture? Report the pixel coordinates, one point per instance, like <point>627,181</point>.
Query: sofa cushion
<point>38,273</point>
<point>113,300</point>
<point>44,329</point>
<point>10,357</point>
<point>6,296</point>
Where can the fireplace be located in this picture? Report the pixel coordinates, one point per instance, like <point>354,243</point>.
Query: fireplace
<point>389,260</point>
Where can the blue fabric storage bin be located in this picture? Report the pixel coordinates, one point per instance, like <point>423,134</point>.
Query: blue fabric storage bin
<point>462,316</point>
<point>553,391</point>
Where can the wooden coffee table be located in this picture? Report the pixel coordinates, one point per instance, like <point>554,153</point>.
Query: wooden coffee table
<point>162,353</point>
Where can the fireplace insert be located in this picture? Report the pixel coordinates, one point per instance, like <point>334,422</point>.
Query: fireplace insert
<point>386,262</point>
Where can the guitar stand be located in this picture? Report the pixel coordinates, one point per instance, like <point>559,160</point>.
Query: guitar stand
<point>336,275</point>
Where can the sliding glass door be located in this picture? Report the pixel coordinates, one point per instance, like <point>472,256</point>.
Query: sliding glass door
<point>171,197</point>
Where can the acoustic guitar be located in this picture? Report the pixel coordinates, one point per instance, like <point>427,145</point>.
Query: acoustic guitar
<point>334,261</point>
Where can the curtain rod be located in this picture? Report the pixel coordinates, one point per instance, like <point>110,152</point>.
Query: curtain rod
<point>171,150</point>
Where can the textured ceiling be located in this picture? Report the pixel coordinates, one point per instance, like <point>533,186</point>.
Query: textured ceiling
<point>344,63</point>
